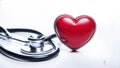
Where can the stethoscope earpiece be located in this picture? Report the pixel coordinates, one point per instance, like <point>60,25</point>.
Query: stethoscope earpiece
<point>30,48</point>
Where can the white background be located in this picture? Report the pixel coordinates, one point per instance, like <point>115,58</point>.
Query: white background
<point>101,52</point>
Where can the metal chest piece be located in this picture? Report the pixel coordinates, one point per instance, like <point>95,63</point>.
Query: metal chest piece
<point>27,45</point>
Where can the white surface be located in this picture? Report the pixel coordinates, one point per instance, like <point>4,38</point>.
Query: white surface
<point>101,52</point>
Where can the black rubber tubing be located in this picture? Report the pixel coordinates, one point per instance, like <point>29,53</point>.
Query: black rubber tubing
<point>27,58</point>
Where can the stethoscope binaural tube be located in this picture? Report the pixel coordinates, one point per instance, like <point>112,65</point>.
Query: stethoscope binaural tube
<point>31,55</point>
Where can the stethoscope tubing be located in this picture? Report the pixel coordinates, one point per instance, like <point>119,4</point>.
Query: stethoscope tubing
<point>28,58</point>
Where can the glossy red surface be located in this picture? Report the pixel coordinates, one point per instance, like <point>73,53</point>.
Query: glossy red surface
<point>74,33</point>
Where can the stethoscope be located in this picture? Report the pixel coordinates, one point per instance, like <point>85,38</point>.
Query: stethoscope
<point>27,45</point>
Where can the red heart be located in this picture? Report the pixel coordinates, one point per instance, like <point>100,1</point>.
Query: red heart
<point>74,33</point>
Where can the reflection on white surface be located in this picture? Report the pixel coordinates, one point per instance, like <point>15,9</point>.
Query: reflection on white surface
<point>101,52</point>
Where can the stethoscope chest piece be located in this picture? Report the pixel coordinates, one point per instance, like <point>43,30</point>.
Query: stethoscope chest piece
<point>27,45</point>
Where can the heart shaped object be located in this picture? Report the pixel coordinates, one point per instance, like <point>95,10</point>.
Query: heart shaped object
<point>74,33</point>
